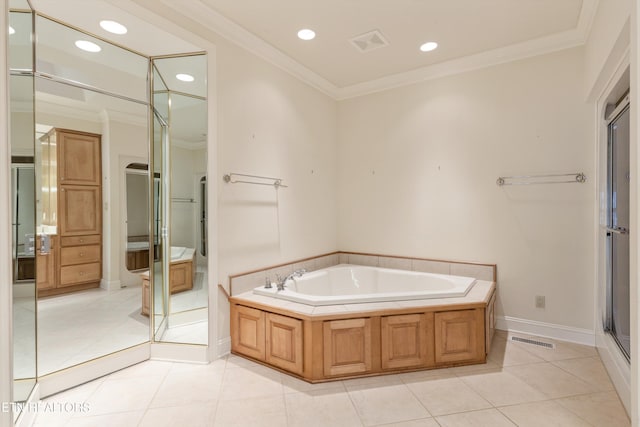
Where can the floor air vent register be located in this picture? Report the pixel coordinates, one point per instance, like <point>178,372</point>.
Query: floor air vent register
<point>534,342</point>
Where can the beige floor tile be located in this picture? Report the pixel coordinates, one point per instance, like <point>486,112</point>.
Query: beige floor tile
<point>589,369</point>
<point>505,353</point>
<point>562,351</point>
<point>425,422</point>
<point>410,377</point>
<point>380,380</point>
<point>447,396</point>
<point>295,385</point>
<point>195,415</point>
<point>602,409</point>
<point>485,418</point>
<point>254,412</point>
<point>122,395</point>
<point>463,370</point>
<point>321,408</point>
<point>250,382</point>
<point>547,414</point>
<point>382,404</point>
<point>121,419</point>
<point>551,380</point>
<point>186,386</point>
<point>149,368</point>
<point>502,388</point>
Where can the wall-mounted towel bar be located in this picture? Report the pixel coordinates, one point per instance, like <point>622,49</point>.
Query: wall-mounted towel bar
<point>231,178</point>
<point>182,200</point>
<point>561,178</point>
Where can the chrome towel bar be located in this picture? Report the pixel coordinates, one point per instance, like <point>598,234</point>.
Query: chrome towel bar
<point>561,178</point>
<point>253,179</point>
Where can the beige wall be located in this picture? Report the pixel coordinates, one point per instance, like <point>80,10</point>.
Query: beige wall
<point>418,168</point>
<point>271,124</point>
<point>605,46</point>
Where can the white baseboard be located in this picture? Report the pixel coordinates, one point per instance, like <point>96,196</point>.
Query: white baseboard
<point>173,352</point>
<point>546,330</point>
<point>617,367</point>
<point>224,346</point>
<point>110,285</point>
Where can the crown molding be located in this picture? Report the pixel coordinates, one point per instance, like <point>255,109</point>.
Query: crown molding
<point>211,19</point>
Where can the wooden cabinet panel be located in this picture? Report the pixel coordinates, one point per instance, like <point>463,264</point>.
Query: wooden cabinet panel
<point>490,322</point>
<point>79,210</point>
<point>459,336</point>
<point>406,341</point>
<point>80,255</point>
<point>146,296</point>
<point>248,327</point>
<point>46,267</point>
<point>180,276</point>
<point>284,342</point>
<point>77,274</point>
<point>80,240</point>
<point>78,158</point>
<point>347,346</point>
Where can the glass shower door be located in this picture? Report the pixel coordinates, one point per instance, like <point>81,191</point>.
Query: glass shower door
<point>618,231</point>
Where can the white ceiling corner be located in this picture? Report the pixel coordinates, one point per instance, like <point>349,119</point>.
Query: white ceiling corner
<point>204,12</point>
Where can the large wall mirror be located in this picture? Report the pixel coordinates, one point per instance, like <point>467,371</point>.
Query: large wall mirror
<point>92,109</point>
<point>180,132</point>
<point>108,197</point>
<point>23,183</point>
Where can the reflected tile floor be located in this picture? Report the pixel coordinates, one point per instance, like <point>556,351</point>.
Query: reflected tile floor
<point>81,326</point>
<point>520,385</point>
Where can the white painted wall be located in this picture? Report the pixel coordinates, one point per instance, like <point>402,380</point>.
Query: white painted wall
<point>605,45</point>
<point>418,168</point>
<point>122,143</point>
<point>186,164</point>
<point>271,124</point>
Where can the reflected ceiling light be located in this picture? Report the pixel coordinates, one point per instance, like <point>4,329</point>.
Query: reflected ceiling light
<point>88,46</point>
<point>306,34</point>
<point>113,27</point>
<point>429,46</point>
<point>185,77</point>
<point>11,30</point>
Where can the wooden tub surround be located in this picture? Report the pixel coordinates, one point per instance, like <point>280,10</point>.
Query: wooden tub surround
<point>333,342</point>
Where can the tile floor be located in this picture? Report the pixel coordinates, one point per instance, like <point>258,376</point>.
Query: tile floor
<point>111,321</point>
<point>521,385</point>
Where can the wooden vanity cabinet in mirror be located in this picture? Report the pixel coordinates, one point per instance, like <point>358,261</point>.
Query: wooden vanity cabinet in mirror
<point>75,211</point>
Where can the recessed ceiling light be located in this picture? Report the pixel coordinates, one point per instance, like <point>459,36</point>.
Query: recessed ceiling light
<point>185,77</point>
<point>88,46</point>
<point>429,46</point>
<point>11,30</point>
<point>113,27</point>
<point>306,34</point>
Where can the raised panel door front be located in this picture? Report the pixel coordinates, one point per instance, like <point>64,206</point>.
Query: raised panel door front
<point>78,158</point>
<point>248,331</point>
<point>347,346</point>
<point>459,336</point>
<point>284,342</point>
<point>46,266</point>
<point>406,341</point>
<point>79,210</point>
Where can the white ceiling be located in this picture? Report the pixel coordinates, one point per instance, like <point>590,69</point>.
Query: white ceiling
<point>461,28</point>
<point>471,34</point>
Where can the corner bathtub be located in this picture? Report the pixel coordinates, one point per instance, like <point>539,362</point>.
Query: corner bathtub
<point>348,284</point>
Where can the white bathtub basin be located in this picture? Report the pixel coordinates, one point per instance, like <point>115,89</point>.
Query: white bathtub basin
<point>347,284</point>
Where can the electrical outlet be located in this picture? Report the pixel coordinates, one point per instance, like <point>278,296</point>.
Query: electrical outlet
<point>540,301</point>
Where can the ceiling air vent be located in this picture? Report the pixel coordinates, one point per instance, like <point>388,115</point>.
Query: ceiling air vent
<point>369,41</point>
